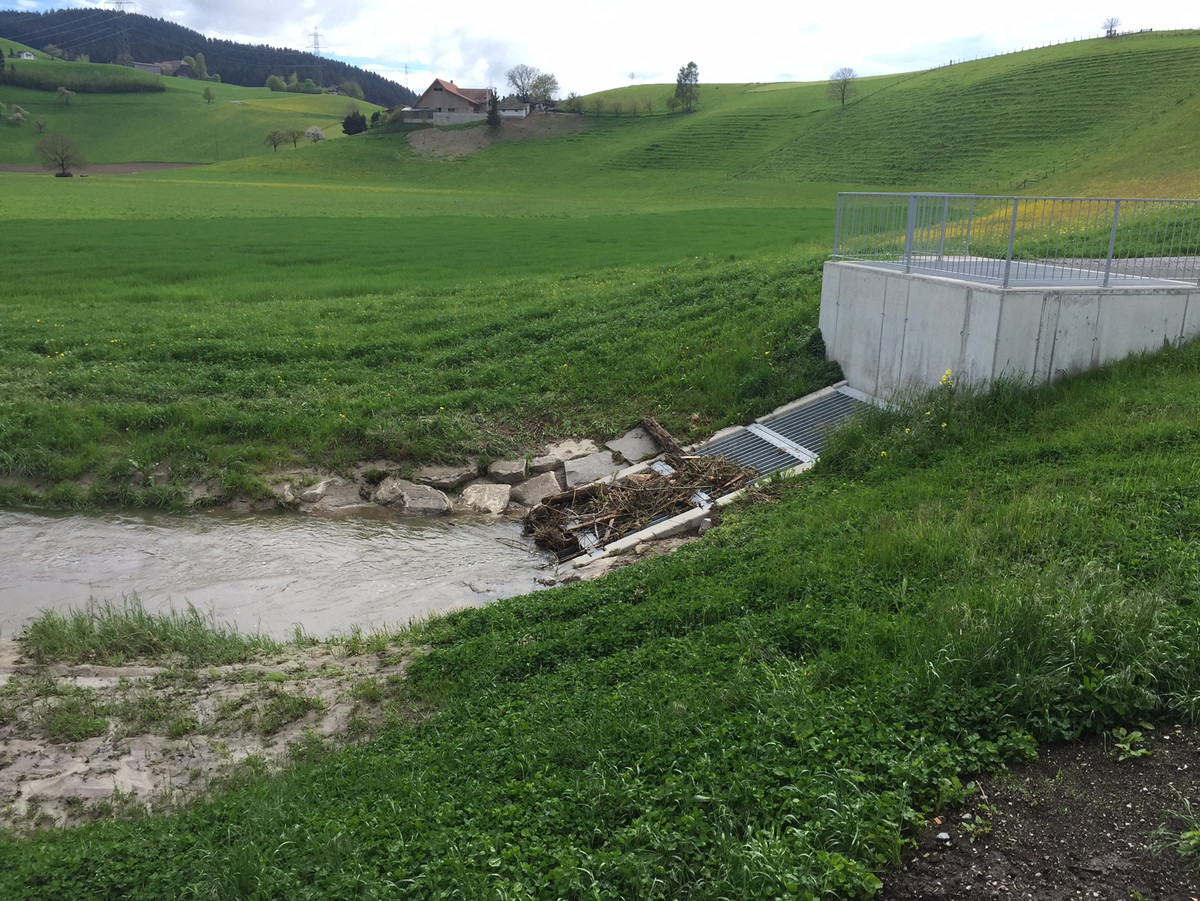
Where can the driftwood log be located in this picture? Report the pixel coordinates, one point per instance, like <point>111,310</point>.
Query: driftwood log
<point>665,439</point>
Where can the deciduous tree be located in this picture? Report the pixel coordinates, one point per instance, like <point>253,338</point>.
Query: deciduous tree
<point>520,78</point>
<point>65,95</point>
<point>1111,24</point>
<point>59,152</point>
<point>543,88</point>
<point>314,134</point>
<point>275,138</point>
<point>687,86</point>
<point>841,84</point>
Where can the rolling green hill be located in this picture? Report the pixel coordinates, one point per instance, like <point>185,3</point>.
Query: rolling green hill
<point>1074,115</point>
<point>171,123</point>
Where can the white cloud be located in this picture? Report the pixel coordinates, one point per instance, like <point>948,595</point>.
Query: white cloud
<point>590,48</point>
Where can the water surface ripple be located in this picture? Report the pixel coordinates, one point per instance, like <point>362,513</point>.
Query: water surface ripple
<point>262,572</point>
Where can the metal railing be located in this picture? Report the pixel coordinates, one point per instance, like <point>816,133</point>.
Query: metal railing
<point>1023,240</point>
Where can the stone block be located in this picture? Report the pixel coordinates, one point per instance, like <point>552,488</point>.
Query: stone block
<point>537,489</point>
<point>510,472</point>
<point>315,493</point>
<point>447,478</point>
<point>591,468</point>
<point>634,445</point>
<point>411,497</point>
<point>485,498</point>
<point>571,448</point>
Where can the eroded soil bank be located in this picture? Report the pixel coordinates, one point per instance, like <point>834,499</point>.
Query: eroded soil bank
<point>81,743</point>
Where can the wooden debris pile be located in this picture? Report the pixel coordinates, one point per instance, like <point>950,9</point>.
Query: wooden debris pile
<point>576,520</point>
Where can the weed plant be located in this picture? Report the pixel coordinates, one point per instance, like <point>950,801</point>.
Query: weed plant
<point>767,713</point>
<point>1180,834</point>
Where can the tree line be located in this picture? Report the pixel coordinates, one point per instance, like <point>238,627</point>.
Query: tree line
<point>109,36</point>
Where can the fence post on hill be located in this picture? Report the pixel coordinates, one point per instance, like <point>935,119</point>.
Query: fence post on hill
<point>1112,242</point>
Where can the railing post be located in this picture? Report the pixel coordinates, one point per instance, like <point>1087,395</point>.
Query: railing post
<point>970,222</point>
<point>1012,234</point>
<point>837,226</point>
<point>909,231</point>
<point>1112,241</point>
<point>945,217</point>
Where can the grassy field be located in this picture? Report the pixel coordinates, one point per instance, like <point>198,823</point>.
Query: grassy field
<point>116,362</point>
<point>767,713</point>
<point>111,123</point>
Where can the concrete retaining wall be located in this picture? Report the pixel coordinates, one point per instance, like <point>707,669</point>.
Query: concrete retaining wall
<point>890,331</point>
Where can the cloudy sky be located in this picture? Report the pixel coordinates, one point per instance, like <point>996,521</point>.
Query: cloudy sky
<point>593,47</point>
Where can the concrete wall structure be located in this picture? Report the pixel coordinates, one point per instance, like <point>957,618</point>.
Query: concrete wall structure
<point>431,118</point>
<point>891,331</point>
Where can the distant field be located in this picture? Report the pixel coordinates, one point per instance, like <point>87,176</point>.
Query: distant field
<point>174,124</point>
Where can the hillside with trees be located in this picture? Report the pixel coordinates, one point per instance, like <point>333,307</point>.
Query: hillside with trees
<point>109,36</point>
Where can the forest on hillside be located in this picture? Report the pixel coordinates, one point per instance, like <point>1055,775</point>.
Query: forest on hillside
<point>110,36</point>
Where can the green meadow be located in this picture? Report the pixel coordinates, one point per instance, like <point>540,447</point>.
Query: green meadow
<point>768,713</point>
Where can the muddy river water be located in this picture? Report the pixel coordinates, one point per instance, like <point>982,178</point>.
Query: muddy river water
<point>265,573</point>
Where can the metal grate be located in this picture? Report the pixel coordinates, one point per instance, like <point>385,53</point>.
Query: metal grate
<point>808,425</point>
<point>747,449</point>
<point>786,440</point>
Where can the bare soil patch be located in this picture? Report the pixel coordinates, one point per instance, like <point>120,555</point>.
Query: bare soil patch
<point>453,143</point>
<point>80,743</point>
<point>1077,823</point>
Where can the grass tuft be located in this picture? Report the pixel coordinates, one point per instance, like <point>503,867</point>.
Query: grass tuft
<point>110,634</point>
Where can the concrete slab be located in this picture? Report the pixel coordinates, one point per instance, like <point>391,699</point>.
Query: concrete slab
<point>591,468</point>
<point>634,445</point>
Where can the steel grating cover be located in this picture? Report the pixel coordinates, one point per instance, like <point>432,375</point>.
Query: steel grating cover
<point>808,425</point>
<point>805,426</point>
<point>747,449</point>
